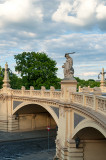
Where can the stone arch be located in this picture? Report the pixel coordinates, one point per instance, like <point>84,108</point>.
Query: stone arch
<point>88,123</point>
<point>47,107</point>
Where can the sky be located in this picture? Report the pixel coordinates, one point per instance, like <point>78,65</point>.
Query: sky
<point>55,27</point>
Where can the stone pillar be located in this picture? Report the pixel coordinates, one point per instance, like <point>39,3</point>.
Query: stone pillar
<point>52,89</point>
<point>79,89</point>
<point>31,90</point>
<point>23,89</point>
<point>43,91</point>
<point>6,78</point>
<point>5,103</point>
<point>64,132</point>
<point>68,86</point>
<point>102,78</point>
<point>73,152</point>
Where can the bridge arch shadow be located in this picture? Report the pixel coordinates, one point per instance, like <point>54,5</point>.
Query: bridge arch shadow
<point>92,140</point>
<point>45,106</point>
<point>89,127</point>
<point>35,116</point>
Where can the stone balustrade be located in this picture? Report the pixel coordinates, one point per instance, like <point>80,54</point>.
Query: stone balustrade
<point>16,92</point>
<point>97,103</point>
<point>89,101</point>
<point>43,93</point>
<point>88,89</point>
<point>101,104</point>
<point>93,101</point>
<point>85,89</point>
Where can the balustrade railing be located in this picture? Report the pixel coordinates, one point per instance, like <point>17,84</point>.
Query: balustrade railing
<point>93,101</point>
<point>101,104</point>
<point>97,103</point>
<point>56,94</point>
<point>17,92</point>
<point>37,93</point>
<point>77,98</point>
<point>47,94</point>
<point>89,101</point>
<point>27,92</point>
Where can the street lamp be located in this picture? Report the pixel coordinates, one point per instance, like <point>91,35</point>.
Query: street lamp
<point>16,116</point>
<point>77,141</point>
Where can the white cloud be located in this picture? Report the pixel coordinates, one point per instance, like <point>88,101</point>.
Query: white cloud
<point>80,13</point>
<point>61,15</point>
<point>18,10</point>
<point>88,74</point>
<point>101,12</point>
<point>27,34</point>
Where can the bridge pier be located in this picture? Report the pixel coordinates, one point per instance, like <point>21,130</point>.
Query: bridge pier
<point>70,152</point>
<point>87,149</point>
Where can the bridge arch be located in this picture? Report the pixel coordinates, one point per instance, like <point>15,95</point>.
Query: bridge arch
<point>45,106</point>
<point>91,124</point>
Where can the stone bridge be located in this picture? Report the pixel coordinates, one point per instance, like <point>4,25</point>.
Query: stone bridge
<point>80,116</point>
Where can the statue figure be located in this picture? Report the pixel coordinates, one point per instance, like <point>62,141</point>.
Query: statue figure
<point>68,67</point>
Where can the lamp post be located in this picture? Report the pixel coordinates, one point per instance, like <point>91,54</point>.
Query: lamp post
<point>77,141</point>
<point>102,77</point>
<point>48,128</point>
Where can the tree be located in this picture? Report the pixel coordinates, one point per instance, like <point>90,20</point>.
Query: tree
<point>37,69</point>
<point>15,81</point>
<point>1,77</point>
<point>85,83</point>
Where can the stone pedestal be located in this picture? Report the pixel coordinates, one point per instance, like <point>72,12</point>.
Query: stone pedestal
<point>69,84</point>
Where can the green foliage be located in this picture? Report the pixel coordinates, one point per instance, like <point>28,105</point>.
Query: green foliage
<point>1,77</point>
<point>15,81</point>
<point>85,83</point>
<point>37,69</point>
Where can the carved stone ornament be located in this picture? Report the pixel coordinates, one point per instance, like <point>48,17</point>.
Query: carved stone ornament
<point>62,112</point>
<point>3,97</point>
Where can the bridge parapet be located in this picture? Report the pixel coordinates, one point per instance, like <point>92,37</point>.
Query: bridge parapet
<point>95,102</point>
<point>43,93</point>
<point>88,89</point>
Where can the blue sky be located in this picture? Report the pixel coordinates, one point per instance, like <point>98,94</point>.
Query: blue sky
<point>55,27</point>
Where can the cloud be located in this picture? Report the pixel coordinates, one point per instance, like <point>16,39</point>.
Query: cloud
<point>17,11</point>
<point>55,27</point>
<point>101,12</point>
<point>81,14</point>
<point>27,34</point>
<point>89,74</point>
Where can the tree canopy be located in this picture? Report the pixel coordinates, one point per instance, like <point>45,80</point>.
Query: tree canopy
<point>1,77</point>
<point>15,81</point>
<point>37,69</point>
<point>85,83</point>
